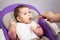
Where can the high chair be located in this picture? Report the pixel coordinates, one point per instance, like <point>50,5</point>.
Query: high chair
<point>7,11</point>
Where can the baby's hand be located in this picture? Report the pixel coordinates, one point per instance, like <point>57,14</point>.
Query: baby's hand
<point>12,30</point>
<point>12,33</point>
<point>37,30</point>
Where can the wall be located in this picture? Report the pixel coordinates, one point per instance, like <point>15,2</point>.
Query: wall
<point>42,5</point>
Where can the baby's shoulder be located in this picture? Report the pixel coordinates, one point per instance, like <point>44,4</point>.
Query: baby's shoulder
<point>19,23</point>
<point>33,23</point>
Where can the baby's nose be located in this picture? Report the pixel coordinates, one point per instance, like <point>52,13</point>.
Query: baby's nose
<point>30,15</point>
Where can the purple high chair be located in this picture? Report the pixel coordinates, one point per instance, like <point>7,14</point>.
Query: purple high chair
<point>47,31</point>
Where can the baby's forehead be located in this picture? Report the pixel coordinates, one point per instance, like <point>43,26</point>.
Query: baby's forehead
<point>24,9</point>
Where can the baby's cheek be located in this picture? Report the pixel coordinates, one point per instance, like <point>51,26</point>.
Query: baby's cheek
<point>25,19</point>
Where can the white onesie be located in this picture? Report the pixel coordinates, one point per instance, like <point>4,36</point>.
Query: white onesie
<point>24,32</point>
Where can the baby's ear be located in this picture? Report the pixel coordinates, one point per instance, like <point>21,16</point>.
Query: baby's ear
<point>18,19</point>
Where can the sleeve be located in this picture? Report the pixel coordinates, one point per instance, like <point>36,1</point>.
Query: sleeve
<point>18,30</point>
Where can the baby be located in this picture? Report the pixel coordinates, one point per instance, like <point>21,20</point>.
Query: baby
<point>25,28</point>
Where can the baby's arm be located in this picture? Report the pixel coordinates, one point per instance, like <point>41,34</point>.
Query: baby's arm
<point>37,30</point>
<point>12,30</point>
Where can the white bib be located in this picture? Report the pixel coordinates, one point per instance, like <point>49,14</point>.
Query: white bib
<point>24,32</point>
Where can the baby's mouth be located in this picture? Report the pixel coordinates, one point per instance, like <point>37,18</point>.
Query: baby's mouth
<point>30,18</point>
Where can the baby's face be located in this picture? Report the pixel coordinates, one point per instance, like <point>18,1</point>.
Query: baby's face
<point>25,15</point>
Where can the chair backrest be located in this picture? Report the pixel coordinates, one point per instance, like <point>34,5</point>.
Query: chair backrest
<point>47,31</point>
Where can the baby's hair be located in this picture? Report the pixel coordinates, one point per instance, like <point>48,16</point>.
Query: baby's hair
<point>16,11</point>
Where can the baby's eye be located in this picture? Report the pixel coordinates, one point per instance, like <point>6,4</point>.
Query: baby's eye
<point>25,13</point>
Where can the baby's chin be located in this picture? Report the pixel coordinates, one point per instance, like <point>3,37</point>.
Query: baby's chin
<point>28,22</point>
